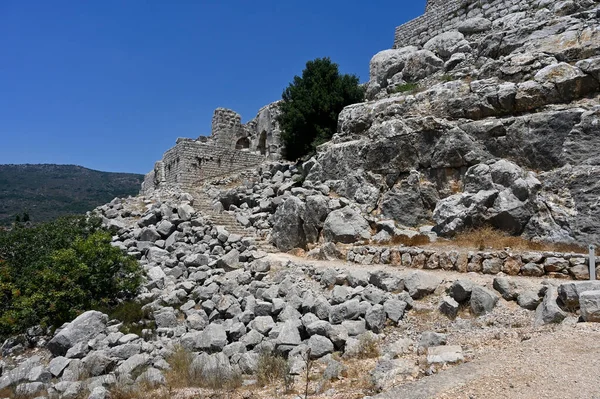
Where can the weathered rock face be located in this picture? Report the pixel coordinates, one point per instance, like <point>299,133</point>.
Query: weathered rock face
<point>500,194</point>
<point>288,232</point>
<point>515,89</point>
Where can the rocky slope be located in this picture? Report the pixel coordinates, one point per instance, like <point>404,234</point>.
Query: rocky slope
<point>223,300</point>
<point>500,127</point>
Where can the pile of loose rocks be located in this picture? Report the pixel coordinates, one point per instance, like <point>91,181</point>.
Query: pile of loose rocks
<point>218,297</point>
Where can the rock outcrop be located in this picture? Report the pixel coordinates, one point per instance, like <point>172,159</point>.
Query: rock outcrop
<point>518,92</point>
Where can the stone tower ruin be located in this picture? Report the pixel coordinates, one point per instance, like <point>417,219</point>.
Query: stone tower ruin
<point>232,146</point>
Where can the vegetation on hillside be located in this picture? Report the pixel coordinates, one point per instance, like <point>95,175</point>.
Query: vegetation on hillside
<point>311,105</point>
<point>45,192</point>
<point>54,271</point>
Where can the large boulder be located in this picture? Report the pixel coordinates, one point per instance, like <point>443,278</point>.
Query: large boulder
<point>230,261</point>
<point>387,63</point>
<point>421,64</point>
<point>570,81</point>
<point>548,311</point>
<point>498,193</point>
<point>474,25</point>
<point>447,43</point>
<point>85,327</point>
<point>346,226</point>
<point>420,284</point>
<point>316,211</point>
<point>482,300</point>
<point>590,306</point>
<point>569,293</point>
<point>288,232</point>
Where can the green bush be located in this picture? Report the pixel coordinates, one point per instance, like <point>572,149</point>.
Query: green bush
<point>54,271</point>
<point>406,88</point>
<point>311,105</point>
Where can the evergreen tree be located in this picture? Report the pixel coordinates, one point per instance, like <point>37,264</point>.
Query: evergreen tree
<point>311,105</point>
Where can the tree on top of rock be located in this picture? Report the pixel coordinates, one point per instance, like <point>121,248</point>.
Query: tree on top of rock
<point>311,105</point>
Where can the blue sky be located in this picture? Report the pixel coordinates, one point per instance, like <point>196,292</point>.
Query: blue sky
<point>111,84</point>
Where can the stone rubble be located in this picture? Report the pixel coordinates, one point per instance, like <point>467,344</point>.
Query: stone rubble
<point>501,130</point>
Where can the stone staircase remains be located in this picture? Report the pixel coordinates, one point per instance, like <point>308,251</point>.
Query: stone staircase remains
<point>204,203</point>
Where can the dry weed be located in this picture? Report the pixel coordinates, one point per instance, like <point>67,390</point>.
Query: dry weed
<point>142,391</point>
<point>414,241</point>
<point>456,186</point>
<point>368,347</point>
<point>272,369</point>
<point>180,374</point>
<point>490,238</point>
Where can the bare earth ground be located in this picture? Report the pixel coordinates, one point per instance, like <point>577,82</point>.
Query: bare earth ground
<point>510,358</point>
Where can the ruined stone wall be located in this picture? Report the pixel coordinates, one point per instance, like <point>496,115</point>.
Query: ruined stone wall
<point>227,128</point>
<point>191,162</point>
<point>534,264</point>
<point>261,134</point>
<point>232,146</point>
<point>444,15</point>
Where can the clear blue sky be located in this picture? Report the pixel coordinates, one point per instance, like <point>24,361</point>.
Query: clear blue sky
<point>111,84</point>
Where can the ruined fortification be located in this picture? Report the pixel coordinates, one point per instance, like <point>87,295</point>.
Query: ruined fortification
<point>445,15</point>
<point>232,146</point>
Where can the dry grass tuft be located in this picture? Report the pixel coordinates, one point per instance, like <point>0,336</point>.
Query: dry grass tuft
<point>180,374</point>
<point>456,186</point>
<point>183,375</point>
<point>490,238</point>
<point>414,241</point>
<point>368,347</point>
<point>273,369</point>
<point>122,391</point>
<point>297,252</point>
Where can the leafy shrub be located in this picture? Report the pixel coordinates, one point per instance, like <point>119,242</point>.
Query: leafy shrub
<point>133,316</point>
<point>311,105</point>
<point>52,272</point>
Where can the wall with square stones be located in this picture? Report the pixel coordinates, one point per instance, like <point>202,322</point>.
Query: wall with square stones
<point>444,15</point>
<point>191,162</point>
<point>231,147</point>
<point>535,264</point>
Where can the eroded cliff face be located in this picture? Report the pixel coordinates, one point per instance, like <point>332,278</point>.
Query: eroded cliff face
<point>491,122</point>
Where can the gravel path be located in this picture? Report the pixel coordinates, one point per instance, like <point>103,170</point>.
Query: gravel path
<point>560,364</point>
<point>549,362</point>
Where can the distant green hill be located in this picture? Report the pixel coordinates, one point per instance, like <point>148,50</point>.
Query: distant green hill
<point>48,191</point>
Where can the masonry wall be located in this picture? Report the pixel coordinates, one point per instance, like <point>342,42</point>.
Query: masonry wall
<point>534,264</point>
<point>442,16</point>
<point>190,162</point>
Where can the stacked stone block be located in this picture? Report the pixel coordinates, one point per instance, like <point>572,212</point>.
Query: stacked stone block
<point>444,15</point>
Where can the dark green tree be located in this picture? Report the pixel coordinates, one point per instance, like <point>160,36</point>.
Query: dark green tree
<point>311,105</point>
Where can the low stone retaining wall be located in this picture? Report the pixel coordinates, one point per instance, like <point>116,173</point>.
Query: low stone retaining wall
<point>536,264</point>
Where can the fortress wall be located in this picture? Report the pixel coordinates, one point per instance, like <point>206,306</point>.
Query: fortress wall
<point>190,162</point>
<point>444,15</point>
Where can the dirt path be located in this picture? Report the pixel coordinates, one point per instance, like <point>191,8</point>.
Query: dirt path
<point>549,362</point>
<point>560,364</point>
